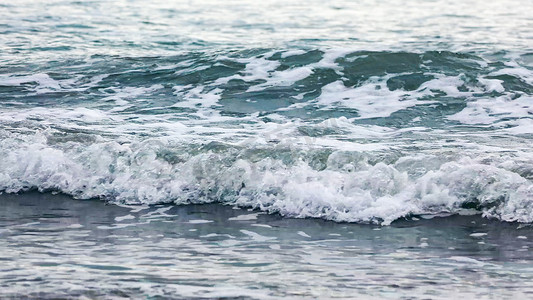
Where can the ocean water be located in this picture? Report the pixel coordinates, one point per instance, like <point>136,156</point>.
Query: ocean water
<point>324,117</point>
<point>54,247</point>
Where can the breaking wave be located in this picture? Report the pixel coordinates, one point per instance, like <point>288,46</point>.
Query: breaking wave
<point>355,136</point>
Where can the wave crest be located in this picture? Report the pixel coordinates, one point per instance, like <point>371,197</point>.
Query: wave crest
<point>343,186</point>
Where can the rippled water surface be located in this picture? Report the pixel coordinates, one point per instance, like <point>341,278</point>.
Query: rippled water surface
<point>373,113</point>
<point>60,247</point>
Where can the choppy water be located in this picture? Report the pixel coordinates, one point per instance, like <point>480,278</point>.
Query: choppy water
<point>358,111</point>
<point>363,112</point>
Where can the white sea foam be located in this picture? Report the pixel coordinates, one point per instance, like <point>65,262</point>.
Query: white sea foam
<point>478,234</point>
<point>347,188</point>
<point>447,84</point>
<point>494,110</point>
<point>372,100</point>
<point>200,221</point>
<point>516,70</point>
<point>290,53</point>
<point>256,236</point>
<point>44,82</point>
<point>122,95</point>
<point>283,78</point>
<point>492,85</point>
<point>328,166</point>
<point>79,114</point>
<point>257,68</point>
<point>196,97</point>
<point>247,217</point>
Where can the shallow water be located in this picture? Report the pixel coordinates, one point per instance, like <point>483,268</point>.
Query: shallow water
<point>53,246</point>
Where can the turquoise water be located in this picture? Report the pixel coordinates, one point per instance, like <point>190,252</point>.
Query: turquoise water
<point>368,112</point>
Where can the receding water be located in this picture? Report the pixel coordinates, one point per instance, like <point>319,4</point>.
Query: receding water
<point>60,247</point>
